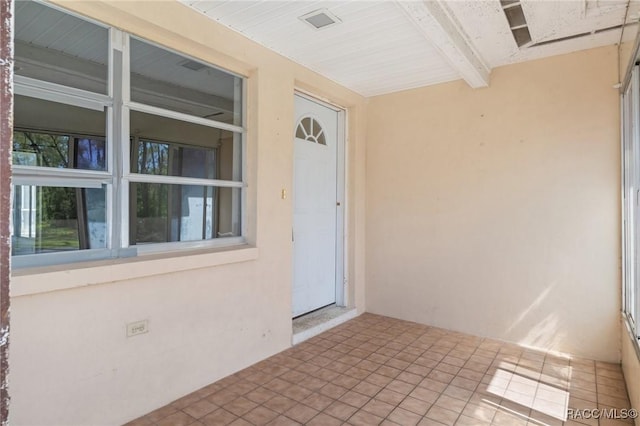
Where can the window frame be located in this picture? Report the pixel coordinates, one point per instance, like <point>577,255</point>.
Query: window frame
<point>117,177</point>
<point>129,177</point>
<point>630,177</point>
<point>55,177</point>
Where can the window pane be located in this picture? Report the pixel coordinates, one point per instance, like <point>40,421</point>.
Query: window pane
<point>53,219</point>
<point>167,213</point>
<point>168,147</point>
<point>53,46</point>
<point>73,139</point>
<point>167,80</point>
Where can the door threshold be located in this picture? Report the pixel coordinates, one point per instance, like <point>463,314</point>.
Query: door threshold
<point>316,322</point>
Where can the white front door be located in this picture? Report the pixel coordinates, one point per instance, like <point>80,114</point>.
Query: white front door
<point>315,199</point>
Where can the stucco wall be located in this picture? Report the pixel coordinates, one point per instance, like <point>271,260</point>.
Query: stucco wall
<point>496,211</point>
<point>71,362</point>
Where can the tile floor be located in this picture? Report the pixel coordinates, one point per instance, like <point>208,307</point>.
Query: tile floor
<point>378,370</point>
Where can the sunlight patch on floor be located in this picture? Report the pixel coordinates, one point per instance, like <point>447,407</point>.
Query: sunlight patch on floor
<point>528,388</point>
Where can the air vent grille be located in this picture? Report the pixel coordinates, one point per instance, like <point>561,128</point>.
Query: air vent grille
<point>320,19</point>
<point>574,36</point>
<point>192,65</point>
<point>517,22</point>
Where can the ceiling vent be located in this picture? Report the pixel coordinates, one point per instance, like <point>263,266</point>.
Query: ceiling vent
<point>517,22</point>
<point>192,65</point>
<point>320,19</point>
<point>590,33</point>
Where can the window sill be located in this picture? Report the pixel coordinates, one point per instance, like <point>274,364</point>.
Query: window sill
<point>31,281</point>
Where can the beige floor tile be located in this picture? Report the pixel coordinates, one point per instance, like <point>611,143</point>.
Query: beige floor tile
<point>186,401</point>
<point>537,418</point>
<point>410,377</point>
<point>400,387</point>
<point>404,417</point>
<point>612,373</point>
<point>615,422</point>
<point>613,391</point>
<point>364,418</point>
<point>390,396</point>
<point>549,408</point>
<point>333,391</point>
<point>355,399</point>
<point>379,408</point>
<point>176,419</point>
<point>590,396</point>
<point>397,364</point>
<point>613,401</point>
<point>430,422</point>
<point>442,415</point>
<point>280,403</point>
<point>200,408</point>
<point>376,370</point>
<point>433,385</point>
<point>450,403</point>
<point>415,405</point>
<point>447,368</point>
<point>324,420</point>
<point>425,394</point>
<point>340,410</point>
<point>240,422</point>
<point>240,406</point>
<point>260,416</point>
<point>581,422</point>
<point>218,417</point>
<point>283,421</point>
<point>482,412</point>
<point>379,379</point>
<point>457,392</point>
<point>509,419</point>
<point>318,401</point>
<point>470,421</point>
<point>301,413</point>
<point>366,388</point>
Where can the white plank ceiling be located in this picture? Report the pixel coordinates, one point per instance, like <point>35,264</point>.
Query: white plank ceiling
<point>385,46</point>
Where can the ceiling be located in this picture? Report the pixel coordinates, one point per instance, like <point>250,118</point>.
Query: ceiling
<point>386,46</point>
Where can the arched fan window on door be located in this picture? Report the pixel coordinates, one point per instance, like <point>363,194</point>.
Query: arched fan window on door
<point>310,130</point>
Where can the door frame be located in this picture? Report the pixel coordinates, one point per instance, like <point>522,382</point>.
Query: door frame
<point>341,281</point>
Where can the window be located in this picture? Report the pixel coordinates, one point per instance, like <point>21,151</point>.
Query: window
<point>120,146</point>
<point>310,130</point>
<point>631,198</point>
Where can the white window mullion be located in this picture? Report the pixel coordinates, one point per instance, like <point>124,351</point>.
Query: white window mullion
<point>122,87</point>
<point>58,181</point>
<point>110,130</point>
<point>634,177</point>
<point>627,201</point>
<point>52,172</point>
<point>135,106</point>
<point>181,180</point>
<point>123,214</point>
<point>236,196</point>
<point>62,94</point>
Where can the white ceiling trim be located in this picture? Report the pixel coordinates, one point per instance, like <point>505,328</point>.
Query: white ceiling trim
<point>439,26</point>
